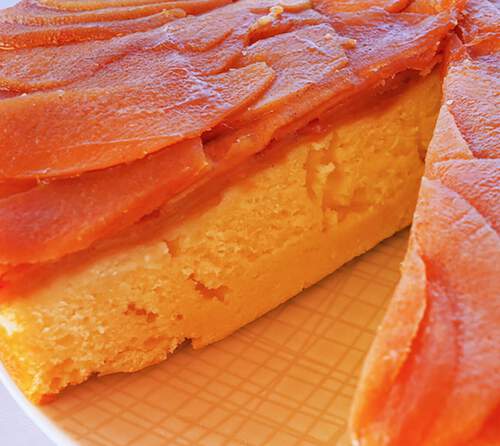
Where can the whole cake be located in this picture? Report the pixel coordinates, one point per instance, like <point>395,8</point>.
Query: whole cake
<point>170,171</point>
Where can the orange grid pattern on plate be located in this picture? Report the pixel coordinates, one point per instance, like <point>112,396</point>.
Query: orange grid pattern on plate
<point>286,379</point>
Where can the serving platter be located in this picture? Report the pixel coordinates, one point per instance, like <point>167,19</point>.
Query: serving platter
<point>286,379</point>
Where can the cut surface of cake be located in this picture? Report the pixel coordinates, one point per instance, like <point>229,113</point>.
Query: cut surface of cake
<point>218,261</point>
<point>165,179</point>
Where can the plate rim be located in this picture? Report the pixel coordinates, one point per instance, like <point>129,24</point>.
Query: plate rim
<point>48,426</point>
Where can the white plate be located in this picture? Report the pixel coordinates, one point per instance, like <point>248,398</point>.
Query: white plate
<point>286,379</point>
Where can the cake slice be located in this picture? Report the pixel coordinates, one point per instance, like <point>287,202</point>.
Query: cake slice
<point>226,255</point>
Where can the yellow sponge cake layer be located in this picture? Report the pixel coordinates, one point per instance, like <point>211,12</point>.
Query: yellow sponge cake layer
<point>203,271</point>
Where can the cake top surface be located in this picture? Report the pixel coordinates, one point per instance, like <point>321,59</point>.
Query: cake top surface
<point>432,375</point>
<point>93,89</point>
